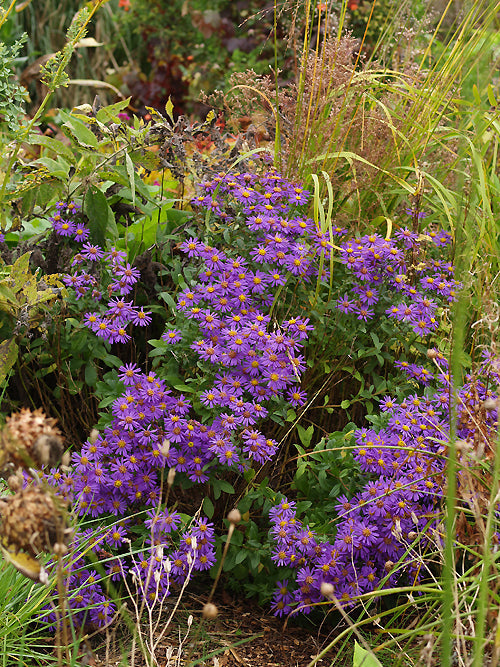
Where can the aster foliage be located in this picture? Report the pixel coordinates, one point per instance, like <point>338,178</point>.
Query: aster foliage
<point>97,272</point>
<point>252,360</point>
<point>260,256</point>
<point>389,532</point>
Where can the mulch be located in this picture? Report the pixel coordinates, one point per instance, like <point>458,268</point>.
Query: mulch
<point>242,635</point>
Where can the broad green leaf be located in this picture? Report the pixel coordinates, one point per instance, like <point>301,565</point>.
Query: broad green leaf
<point>208,507</point>
<point>240,556</point>
<point>8,356</point>
<point>363,658</point>
<point>54,145</point>
<point>79,130</point>
<point>101,218</point>
<point>305,434</point>
<point>111,112</point>
<point>57,168</point>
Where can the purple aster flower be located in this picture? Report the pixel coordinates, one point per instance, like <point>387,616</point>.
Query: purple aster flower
<point>91,252</point>
<point>63,227</point>
<point>296,397</point>
<point>81,232</point>
<point>141,318</point>
<point>172,336</point>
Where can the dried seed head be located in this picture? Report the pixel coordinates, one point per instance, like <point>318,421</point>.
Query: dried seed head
<point>171,476</point>
<point>60,549</point>
<point>94,434</point>
<point>234,516</point>
<point>30,521</point>
<point>388,565</point>
<point>210,611</point>
<point>490,404</point>
<point>15,482</point>
<point>30,438</point>
<point>327,590</point>
<point>432,354</point>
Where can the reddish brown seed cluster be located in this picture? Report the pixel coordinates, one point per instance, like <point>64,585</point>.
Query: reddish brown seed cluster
<point>30,439</point>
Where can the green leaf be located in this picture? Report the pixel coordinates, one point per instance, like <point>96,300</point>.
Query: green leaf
<point>110,113</point>
<point>79,130</point>
<point>57,168</point>
<point>8,356</point>
<point>491,96</point>
<point>345,404</point>
<point>363,658</point>
<point>208,507</point>
<point>90,375</point>
<point>240,556</point>
<point>101,218</point>
<point>131,175</point>
<point>305,434</point>
<point>225,486</point>
<point>53,145</point>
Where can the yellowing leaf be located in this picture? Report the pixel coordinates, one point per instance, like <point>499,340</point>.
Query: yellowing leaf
<point>23,562</point>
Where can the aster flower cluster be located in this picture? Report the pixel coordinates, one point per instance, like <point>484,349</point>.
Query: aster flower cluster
<point>385,530</point>
<point>286,243</point>
<point>393,271</point>
<point>66,223</point>
<point>88,277</point>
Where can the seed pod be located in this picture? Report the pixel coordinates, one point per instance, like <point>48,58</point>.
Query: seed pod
<point>31,522</point>
<point>30,439</point>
